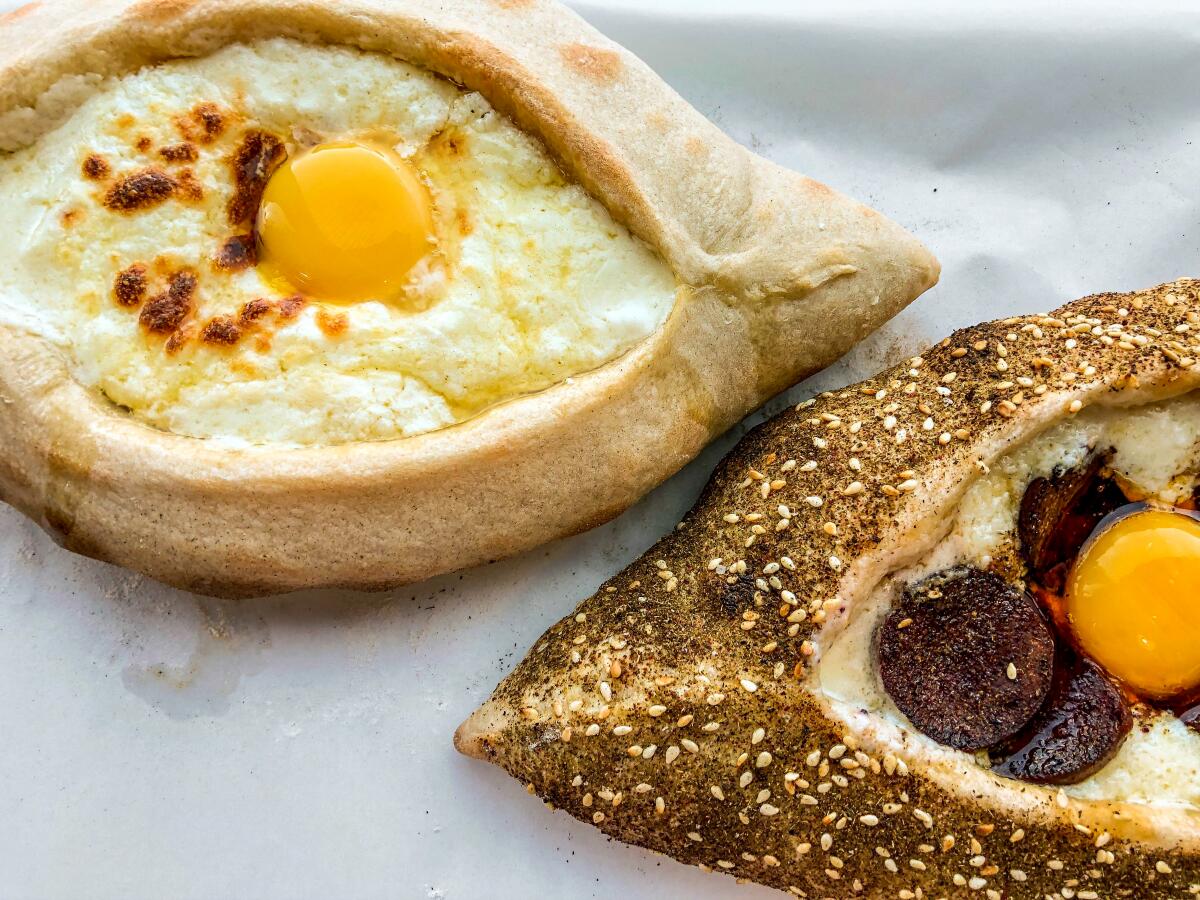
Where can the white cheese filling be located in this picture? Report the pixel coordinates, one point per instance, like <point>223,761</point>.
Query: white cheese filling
<point>535,282</point>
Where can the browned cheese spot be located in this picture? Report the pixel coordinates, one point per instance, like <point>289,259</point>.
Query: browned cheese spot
<point>129,287</point>
<point>255,161</point>
<point>221,330</point>
<point>594,63</point>
<point>177,339</point>
<point>96,168</point>
<point>69,217</point>
<point>333,325</point>
<point>141,190</point>
<point>166,312</point>
<point>179,153</point>
<point>254,310</point>
<point>203,125</point>
<point>144,144</point>
<point>290,307</point>
<point>189,187</point>
<point>237,253</point>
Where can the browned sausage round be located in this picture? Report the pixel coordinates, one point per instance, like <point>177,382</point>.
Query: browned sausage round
<point>968,658</point>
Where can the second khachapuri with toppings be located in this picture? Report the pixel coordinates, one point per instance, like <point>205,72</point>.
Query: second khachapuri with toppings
<point>934,635</point>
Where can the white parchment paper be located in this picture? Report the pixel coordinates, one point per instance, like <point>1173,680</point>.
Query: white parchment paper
<point>155,744</point>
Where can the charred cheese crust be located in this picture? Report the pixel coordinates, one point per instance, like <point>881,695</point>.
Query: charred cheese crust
<point>674,710</point>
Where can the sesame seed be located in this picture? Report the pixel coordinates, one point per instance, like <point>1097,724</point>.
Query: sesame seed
<point>749,685</point>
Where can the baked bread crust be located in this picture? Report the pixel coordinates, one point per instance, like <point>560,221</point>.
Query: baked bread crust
<point>784,276</point>
<point>668,646</point>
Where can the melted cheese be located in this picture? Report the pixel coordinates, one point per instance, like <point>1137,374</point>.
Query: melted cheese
<point>533,281</point>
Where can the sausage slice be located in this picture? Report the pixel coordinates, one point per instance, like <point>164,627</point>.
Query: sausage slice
<point>1080,729</point>
<point>1059,513</point>
<point>968,658</point>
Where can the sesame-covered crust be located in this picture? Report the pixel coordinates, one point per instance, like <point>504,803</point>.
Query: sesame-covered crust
<point>676,708</point>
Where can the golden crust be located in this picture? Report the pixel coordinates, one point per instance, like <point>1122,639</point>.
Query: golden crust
<point>785,275</point>
<point>613,701</point>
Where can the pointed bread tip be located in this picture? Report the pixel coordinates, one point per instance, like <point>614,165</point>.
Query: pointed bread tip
<point>473,737</point>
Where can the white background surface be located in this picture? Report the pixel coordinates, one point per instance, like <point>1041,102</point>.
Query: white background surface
<point>159,745</point>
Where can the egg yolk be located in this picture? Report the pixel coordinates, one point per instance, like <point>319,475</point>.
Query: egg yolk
<point>344,222</point>
<point>1133,600</point>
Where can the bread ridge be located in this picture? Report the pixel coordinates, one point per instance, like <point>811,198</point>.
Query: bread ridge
<point>612,702</point>
<point>780,275</point>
